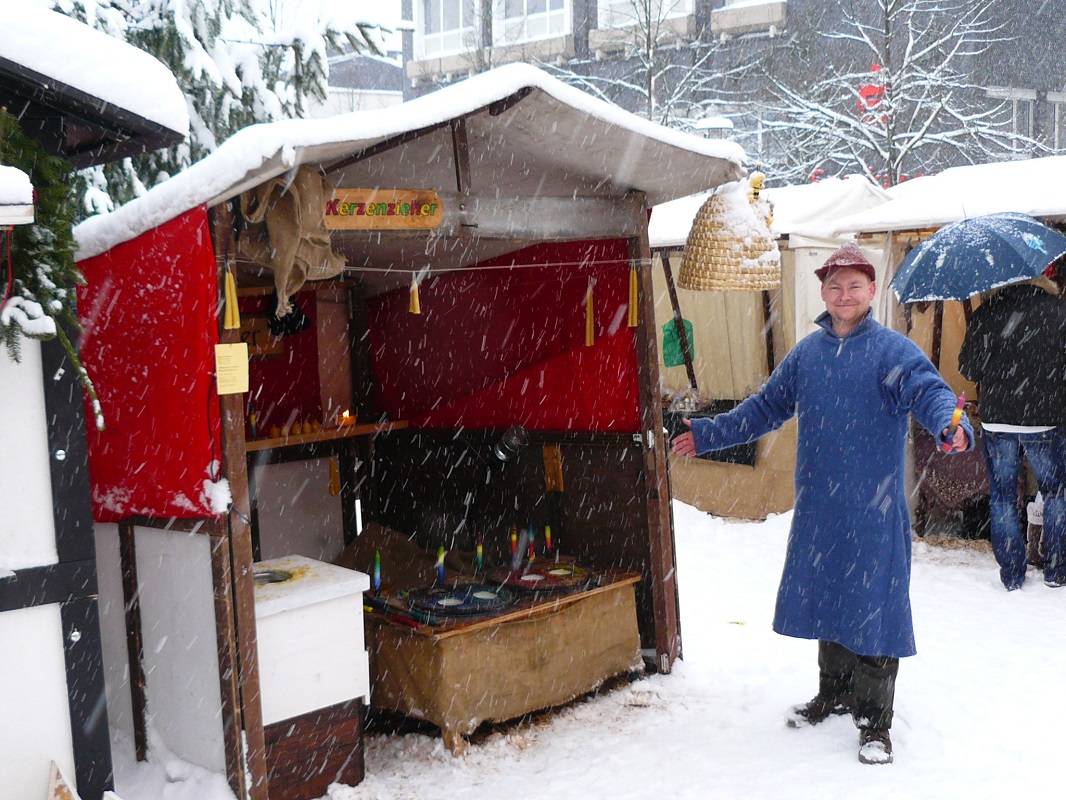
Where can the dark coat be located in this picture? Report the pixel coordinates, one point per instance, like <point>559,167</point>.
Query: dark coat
<point>1015,350</point>
<point>847,566</point>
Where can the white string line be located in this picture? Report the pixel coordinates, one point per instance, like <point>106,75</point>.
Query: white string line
<point>640,262</point>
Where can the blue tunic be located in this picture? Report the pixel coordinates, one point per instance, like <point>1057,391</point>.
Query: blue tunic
<point>847,566</point>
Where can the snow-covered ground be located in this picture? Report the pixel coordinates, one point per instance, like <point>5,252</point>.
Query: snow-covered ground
<point>979,710</point>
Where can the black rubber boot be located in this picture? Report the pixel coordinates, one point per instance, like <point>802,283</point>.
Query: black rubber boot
<point>835,664</point>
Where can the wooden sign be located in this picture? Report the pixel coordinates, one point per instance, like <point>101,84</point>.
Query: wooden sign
<point>383,209</point>
<point>256,334</point>
<point>553,468</point>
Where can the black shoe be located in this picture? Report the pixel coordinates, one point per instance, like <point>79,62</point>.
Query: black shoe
<point>818,710</point>
<point>875,746</point>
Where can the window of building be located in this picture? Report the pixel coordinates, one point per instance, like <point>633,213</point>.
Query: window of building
<point>1057,102</point>
<point>448,27</point>
<point>642,13</point>
<point>526,20</point>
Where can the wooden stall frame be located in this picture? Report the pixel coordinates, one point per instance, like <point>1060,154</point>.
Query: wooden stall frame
<point>659,512</point>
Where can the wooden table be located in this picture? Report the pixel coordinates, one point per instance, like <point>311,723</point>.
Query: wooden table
<point>542,654</point>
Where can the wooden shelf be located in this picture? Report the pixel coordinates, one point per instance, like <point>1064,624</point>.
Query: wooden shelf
<point>325,435</point>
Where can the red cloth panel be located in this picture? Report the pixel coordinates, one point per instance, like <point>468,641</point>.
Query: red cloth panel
<point>149,313</point>
<point>285,388</point>
<point>499,347</point>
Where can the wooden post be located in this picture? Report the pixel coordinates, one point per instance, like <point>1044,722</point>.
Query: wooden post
<point>767,311</point>
<point>247,775</point>
<point>131,597</point>
<point>659,513</point>
<point>938,333</point>
<point>682,336</point>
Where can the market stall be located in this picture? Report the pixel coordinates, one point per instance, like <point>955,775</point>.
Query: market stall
<point>459,350</point>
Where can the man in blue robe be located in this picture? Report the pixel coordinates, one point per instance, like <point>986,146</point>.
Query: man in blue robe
<point>853,385</point>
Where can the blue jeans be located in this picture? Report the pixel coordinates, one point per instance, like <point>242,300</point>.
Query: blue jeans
<point>1047,454</point>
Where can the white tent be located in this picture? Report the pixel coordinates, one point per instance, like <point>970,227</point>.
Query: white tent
<point>1032,187</point>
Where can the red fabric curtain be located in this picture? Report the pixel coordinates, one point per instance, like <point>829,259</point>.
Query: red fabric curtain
<point>504,343</point>
<point>149,313</point>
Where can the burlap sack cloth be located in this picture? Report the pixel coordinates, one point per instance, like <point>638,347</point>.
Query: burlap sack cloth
<point>285,231</point>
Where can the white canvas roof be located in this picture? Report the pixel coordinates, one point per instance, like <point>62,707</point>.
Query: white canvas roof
<point>1033,186</point>
<point>810,209</point>
<point>529,136</point>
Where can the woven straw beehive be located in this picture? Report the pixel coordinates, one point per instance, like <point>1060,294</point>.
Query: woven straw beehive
<point>730,246</point>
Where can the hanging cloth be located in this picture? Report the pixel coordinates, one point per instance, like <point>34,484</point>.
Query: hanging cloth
<point>673,352</point>
<point>286,231</point>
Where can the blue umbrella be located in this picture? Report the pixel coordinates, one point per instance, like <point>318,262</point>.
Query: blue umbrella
<point>977,254</point>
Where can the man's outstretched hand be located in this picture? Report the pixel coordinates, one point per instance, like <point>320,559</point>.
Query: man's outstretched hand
<point>960,442</point>
<point>685,444</point>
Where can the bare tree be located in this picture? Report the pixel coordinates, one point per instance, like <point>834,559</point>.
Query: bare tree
<point>655,67</point>
<point>898,99</point>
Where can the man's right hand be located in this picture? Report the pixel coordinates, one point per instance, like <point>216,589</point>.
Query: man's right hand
<point>685,444</point>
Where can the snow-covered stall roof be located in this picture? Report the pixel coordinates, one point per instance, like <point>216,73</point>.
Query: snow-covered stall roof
<point>529,136</point>
<point>16,197</point>
<point>114,100</point>
<point>810,209</point>
<point>1032,187</point>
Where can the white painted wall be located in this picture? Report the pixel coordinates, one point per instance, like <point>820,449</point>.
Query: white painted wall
<point>180,656</point>
<point>297,514</point>
<point>33,702</point>
<point>27,532</point>
<point>34,713</point>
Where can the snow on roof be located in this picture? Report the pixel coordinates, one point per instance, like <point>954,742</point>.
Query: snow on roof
<point>16,197</point>
<point>62,49</point>
<point>557,137</point>
<point>809,208</point>
<point>1033,186</point>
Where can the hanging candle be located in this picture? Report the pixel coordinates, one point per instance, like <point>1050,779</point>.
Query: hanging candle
<point>377,573</point>
<point>590,319</point>
<point>633,296</point>
<point>531,552</point>
<point>414,307</point>
<point>440,565</point>
<point>514,542</point>
<point>480,561</point>
<point>548,540</point>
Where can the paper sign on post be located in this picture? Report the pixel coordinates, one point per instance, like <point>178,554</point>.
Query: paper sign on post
<point>231,368</point>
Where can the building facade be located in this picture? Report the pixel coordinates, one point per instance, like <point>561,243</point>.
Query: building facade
<point>710,65</point>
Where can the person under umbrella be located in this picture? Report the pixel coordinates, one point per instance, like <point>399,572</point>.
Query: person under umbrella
<point>853,385</point>
<point>1015,350</point>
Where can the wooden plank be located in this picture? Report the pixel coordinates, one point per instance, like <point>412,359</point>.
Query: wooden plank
<point>131,597</point>
<point>682,335</point>
<point>58,788</point>
<point>248,768</point>
<point>228,669</point>
<point>938,333</point>
<point>179,524</point>
<point>344,432</point>
<point>538,608</point>
<point>660,527</point>
<point>86,697</point>
<point>461,155</point>
<point>307,753</point>
<point>767,310</point>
